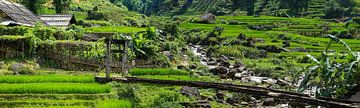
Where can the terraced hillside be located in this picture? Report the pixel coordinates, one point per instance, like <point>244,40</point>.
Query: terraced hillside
<point>316,8</point>
<point>290,38</point>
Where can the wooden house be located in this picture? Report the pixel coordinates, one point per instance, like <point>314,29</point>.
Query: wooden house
<point>16,14</point>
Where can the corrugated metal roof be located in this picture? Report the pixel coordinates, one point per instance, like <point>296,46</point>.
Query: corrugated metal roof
<point>57,20</point>
<point>20,14</point>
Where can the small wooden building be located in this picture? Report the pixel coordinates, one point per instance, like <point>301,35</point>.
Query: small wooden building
<point>58,20</point>
<point>16,14</point>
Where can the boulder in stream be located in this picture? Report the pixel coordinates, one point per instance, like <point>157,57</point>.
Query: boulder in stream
<point>219,70</point>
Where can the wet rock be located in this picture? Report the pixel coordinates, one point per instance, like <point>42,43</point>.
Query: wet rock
<point>193,66</point>
<point>225,57</point>
<point>244,103</point>
<point>299,49</point>
<point>294,104</point>
<point>231,101</point>
<point>270,81</point>
<point>203,104</point>
<point>238,75</point>
<point>204,60</point>
<point>231,73</point>
<point>220,96</point>
<point>252,99</point>
<point>271,102</point>
<point>238,64</point>
<point>257,79</point>
<point>225,64</point>
<point>190,91</point>
<point>212,63</point>
<point>181,67</point>
<point>284,82</point>
<point>232,58</point>
<point>219,70</point>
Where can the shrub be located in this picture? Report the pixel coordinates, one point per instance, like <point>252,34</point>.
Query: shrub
<point>167,100</point>
<point>22,69</point>
<point>17,30</point>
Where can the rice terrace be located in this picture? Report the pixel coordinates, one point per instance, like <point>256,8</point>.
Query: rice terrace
<point>179,53</point>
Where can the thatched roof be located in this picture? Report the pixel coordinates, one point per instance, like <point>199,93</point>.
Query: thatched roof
<point>17,14</point>
<point>58,20</point>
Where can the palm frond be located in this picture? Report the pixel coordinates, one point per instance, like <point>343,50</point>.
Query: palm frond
<point>313,58</point>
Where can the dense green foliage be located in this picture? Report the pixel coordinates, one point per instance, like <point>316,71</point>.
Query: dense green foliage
<point>331,78</point>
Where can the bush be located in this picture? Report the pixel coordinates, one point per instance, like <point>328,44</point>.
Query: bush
<point>167,100</point>
<point>22,69</point>
<point>17,30</point>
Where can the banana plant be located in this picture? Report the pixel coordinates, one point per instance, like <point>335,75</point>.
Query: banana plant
<point>332,79</point>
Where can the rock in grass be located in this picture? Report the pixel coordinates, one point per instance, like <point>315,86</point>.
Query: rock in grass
<point>299,49</point>
<point>271,102</point>
<point>190,91</point>
<point>181,67</point>
<point>193,66</point>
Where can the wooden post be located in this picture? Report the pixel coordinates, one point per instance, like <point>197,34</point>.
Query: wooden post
<point>123,61</point>
<point>108,57</point>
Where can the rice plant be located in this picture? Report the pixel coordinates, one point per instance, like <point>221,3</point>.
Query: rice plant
<point>331,78</point>
<point>115,104</point>
<point>54,88</point>
<point>157,71</point>
<point>46,79</point>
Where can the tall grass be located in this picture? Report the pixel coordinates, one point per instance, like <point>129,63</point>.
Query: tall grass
<point>157,71</point>
<point>46,79</point>
<point>54,88</point>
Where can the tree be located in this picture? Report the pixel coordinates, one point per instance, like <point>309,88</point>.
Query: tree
<point>61,5</point>
<point>34,5</point>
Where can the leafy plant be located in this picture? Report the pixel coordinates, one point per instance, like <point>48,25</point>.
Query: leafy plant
<point>332,79</point>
